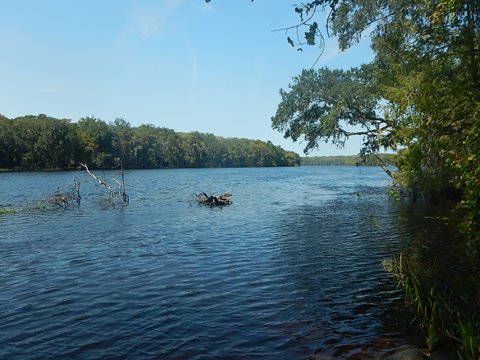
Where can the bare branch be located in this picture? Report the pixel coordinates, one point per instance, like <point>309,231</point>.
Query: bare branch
<point>124,199</point>
<point>382,165</point>
<point>100,181</point>
<point>303,23</point>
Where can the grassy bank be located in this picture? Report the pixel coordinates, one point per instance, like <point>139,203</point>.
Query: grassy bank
<point>447,312</point>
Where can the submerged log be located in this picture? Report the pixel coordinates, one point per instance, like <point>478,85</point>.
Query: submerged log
<point>213,200</point>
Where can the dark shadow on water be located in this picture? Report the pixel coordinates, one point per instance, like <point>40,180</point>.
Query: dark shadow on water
<point>437,254</point>
<point>334,256</point>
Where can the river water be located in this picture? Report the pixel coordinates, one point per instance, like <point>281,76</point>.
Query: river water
<point>291,270</point>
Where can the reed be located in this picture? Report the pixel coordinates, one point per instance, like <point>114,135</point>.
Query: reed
<point>467,337</point>
<point>441,323</point>
<point>7,211</point>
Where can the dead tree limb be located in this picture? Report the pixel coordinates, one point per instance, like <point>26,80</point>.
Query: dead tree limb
<point>124,199</point>
<point>100,181</point>
<point>121,184</point>
<point>63,199</point>
<point>383,165</point>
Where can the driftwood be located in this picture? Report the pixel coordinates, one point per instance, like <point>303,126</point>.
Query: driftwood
<point>213,200</point>
<point>59,199</point>
<point>64,199</point>
<point>124,199</point>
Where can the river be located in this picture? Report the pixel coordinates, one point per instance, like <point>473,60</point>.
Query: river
<point>291,270</point>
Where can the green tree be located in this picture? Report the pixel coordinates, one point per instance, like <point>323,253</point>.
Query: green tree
<point>425,74</point>
<point>147,149</point>
<point>170,142</point>
<point>9,154</point>
<point>95,137</point>
<point>333,105</point>
<point>122,142</point>
<point>43,142</point>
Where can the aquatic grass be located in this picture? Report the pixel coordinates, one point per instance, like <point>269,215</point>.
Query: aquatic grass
<point>394,194</point>
<point>7,211</point>
<point>468,338</point>
<point>442,323</point>
<point>425,304</point>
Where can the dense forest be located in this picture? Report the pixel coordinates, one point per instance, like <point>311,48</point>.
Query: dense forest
<point>43,142</point>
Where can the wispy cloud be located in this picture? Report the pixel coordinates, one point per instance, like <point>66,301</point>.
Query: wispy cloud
<point>146,22</point>
<point>149,21</point>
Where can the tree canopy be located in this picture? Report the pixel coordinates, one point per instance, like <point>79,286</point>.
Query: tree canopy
<point>420,95</point>
<point>43,142</point>
<point>332,105</point>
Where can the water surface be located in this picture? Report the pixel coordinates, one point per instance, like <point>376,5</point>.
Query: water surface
<point>291,270</point>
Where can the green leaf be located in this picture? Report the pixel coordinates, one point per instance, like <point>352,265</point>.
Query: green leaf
<point>310,37</point>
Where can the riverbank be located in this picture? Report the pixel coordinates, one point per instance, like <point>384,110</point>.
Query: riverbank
<point>439,278</point>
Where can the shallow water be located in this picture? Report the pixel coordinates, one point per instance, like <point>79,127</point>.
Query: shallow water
<point>291,270</point>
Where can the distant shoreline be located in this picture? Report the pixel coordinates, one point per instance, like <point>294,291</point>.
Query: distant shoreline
<point>349,160</point>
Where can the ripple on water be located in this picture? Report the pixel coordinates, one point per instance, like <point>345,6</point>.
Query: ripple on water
<point>290,270</point>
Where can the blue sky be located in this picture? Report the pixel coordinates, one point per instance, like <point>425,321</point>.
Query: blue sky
<point>181,64</point>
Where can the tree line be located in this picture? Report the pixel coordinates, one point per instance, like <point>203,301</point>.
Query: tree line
<point>349,160</point>
<point>36,142</point>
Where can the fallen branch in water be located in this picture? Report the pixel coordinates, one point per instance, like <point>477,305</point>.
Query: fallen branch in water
<point>63,199</point>
<point>124,199</point>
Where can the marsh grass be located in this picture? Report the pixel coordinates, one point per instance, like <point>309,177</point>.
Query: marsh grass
<point>6,211</point>
<point>467,337</point>
<point>442,322</point>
